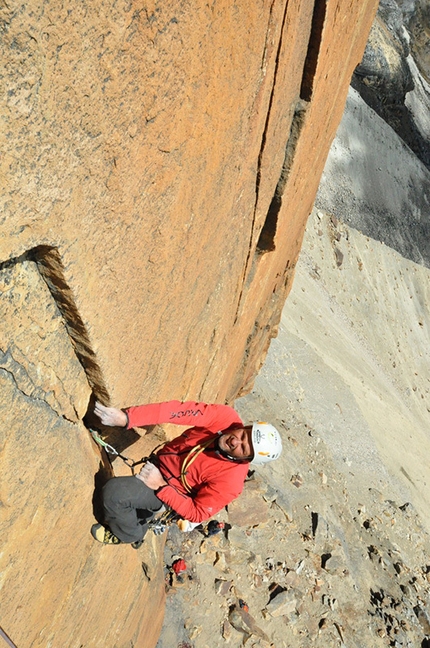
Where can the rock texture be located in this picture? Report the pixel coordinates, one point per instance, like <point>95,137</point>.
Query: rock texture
<point>58,588</point>
<point>159,163</point>
<point>149,147</point>
<point>383,191</point>
<point>382,188</point>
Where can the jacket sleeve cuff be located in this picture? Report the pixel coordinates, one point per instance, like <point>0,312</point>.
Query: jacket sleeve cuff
<point>126,426</point>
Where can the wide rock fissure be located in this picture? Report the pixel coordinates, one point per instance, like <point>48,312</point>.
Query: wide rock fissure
<point>51,269</point>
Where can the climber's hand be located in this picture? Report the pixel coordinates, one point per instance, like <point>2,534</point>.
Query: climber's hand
<point>110,416</point>
<point>151,476</point>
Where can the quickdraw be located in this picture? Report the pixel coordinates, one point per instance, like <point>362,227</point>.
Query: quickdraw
<point>110,450</point>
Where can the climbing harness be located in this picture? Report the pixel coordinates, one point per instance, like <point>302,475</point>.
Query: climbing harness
<point>161,523</point>
<point>192,456</point>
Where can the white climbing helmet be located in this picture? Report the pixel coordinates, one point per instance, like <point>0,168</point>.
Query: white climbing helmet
<point>266,442</point>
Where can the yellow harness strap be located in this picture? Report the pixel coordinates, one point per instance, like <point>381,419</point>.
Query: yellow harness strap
<point>191,456</point>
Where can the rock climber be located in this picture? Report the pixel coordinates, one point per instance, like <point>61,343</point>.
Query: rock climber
<point>196,474</point>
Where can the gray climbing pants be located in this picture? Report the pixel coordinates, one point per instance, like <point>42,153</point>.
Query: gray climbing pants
<point>128,506</point>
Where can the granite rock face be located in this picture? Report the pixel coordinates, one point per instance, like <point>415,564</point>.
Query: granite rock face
<point>160,162</point>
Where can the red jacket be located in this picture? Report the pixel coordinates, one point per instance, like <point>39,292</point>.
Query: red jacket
<point>215,481</point>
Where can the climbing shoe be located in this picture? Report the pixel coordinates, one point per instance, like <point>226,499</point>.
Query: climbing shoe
<point>137,544</point>
<point>102,534</point>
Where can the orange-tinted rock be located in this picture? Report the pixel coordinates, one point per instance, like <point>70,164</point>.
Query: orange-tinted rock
<point>58,584</point>
<point>159,163</point>
<point>145,145</point>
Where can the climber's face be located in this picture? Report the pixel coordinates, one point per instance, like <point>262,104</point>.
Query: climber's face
<point>237,443</point>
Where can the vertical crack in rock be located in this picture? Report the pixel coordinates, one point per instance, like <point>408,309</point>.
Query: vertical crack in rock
<point>266,241</point>
<point>51,270</point>
<point>314,46</point>
<point>266,126</point>
<point>267,39</point>
<point>262,148</point>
